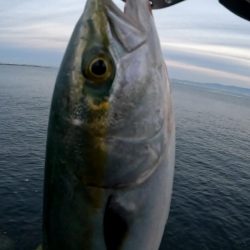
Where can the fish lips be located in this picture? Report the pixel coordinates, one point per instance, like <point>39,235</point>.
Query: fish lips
<point>130,28</point>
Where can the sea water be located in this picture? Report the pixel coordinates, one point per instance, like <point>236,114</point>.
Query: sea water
<point>211,199</point>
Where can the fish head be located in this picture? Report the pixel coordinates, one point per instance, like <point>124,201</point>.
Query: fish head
<point>113,95</point>
<point>107,40</point>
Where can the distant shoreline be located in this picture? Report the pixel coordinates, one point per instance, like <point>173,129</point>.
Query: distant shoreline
<point>243,91</point>
<point>28,65</point>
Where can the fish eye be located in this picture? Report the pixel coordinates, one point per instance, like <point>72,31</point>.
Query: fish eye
<point>98,67</point>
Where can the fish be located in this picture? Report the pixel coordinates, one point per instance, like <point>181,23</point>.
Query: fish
<point>110,151</point>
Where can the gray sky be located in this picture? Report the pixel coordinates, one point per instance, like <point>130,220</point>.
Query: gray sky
<point>201,40</point>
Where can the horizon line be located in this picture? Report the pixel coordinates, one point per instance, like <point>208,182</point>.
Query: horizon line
<point>171,78</point>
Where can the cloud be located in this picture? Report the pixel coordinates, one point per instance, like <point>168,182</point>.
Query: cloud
<point>39,24</point>
<point>201,37</point>
<point>208,63</point>
<point>241,54</point>
<point>204,75</point>
<point>38,35</point>
<point>22,55</point>
<point>202,22</point>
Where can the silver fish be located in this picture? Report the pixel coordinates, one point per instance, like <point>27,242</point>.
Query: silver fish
<point>111,138</point>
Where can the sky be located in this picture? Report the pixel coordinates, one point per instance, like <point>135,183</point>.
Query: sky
<point>201,40</point>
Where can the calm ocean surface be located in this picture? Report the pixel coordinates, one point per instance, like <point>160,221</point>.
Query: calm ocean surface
<point>211,200</point>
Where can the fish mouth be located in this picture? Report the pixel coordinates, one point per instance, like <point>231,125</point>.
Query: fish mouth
<point>129,27</point>
<point>137,13</point>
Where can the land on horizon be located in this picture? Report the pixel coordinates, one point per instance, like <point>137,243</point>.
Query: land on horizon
<point>27,65</point>
<point>207,85</point>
